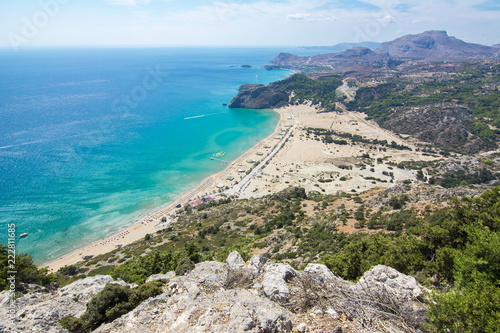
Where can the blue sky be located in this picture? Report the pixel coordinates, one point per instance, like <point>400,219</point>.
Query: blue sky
<point>26,23</point>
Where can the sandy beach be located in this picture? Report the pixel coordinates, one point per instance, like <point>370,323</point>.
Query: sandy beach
<point>211,186</point>
<point>287,157</point>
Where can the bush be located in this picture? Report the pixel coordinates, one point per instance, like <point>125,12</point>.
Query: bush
<point>68,270</point>
<point>27,272</point>
<point>185,266</point>
<point>110,303</point>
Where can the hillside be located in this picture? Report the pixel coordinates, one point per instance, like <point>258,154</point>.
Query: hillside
<point>296,230</point>
<point>455,108</point>
<point>426,47</point>
<point>433,46</point>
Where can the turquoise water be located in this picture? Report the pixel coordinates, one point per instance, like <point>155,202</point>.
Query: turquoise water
<point>93,139</point>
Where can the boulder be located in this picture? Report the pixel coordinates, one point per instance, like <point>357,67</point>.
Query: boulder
<point>256,263</point>
<point>235,261</point>
<point>320,271</point>
<point>275,279</point>
<point>386,278</point>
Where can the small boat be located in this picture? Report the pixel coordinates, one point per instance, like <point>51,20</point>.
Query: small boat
<point>23,235</point>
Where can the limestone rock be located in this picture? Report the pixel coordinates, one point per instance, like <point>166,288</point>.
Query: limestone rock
<point>257,262</point>
<point>40,312</point>
<point>155,277</point>
<point>320,271</point>
<point>399,284</point>
<point>224,311</point>
<point>275,279</point>
<point>235,261</point>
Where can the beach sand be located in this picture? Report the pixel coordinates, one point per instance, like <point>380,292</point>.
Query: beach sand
<point>287,157</point>
<point>211,186</point>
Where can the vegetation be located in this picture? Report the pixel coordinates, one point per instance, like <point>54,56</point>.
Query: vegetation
<point>320,92</point>
<point>453,250</point>
<point>110,303</point>
<point>26,271</point>
<point>469,94</point>
<point>325,135</point>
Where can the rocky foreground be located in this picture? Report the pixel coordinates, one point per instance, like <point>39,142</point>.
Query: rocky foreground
<point>258,296</point>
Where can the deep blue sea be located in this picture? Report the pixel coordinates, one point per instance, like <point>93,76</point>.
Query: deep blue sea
<point>93,139</point>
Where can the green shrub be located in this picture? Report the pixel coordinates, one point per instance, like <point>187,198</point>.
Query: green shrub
<point>185,266</point>
<point>72,324</point>
<point>112,302</point>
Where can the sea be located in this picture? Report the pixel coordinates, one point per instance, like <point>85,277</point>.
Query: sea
<point>93,139</point>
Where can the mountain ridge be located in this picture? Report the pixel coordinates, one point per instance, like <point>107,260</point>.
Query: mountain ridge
<point>428,46</point>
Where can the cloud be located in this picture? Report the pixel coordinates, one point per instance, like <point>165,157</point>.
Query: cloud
<point>298,16</point>
<point>131,3</point>
<point>388,19</point>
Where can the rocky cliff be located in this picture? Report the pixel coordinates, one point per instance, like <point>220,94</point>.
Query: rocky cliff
<point>257,296</point>
<point>258,96</point>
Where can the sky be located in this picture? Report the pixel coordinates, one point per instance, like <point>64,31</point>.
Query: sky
<point>25,23</point>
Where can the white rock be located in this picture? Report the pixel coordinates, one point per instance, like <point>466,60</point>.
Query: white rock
<point>235,310</point>
<point>399,284</point>
<point>167,276</point>
<point>301,328</point>
<point>235,261</point>
<point>257,262</point>
<point>274,281</point>
<point>320,270</point>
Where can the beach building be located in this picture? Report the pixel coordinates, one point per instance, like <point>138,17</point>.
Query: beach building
<point>196,203</point>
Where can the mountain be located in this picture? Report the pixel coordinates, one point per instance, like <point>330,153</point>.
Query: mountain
<point>352,57</point>
<point>434,46</point>
<point>429,46</point>
<point>344,46</point>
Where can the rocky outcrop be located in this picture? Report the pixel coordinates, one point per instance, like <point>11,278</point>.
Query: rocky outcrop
<point>275,281</point>
<point>235,261</point>
<point>236,310</point>
<point>382,277</point>
<point>258,96</point>
<point>258,296</point>
<point>39,312</point>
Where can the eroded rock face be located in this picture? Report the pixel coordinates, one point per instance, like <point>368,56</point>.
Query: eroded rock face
<point>40,312</point>
<point>223,311</point>
<point>275,281</point>
<point>261,296</point>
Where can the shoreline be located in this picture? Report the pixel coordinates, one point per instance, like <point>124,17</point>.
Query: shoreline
<point>290,156</point>
<point>209,187</point>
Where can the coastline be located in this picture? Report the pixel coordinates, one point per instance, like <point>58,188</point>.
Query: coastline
<point>209,187</point>
<point>290,156</point>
